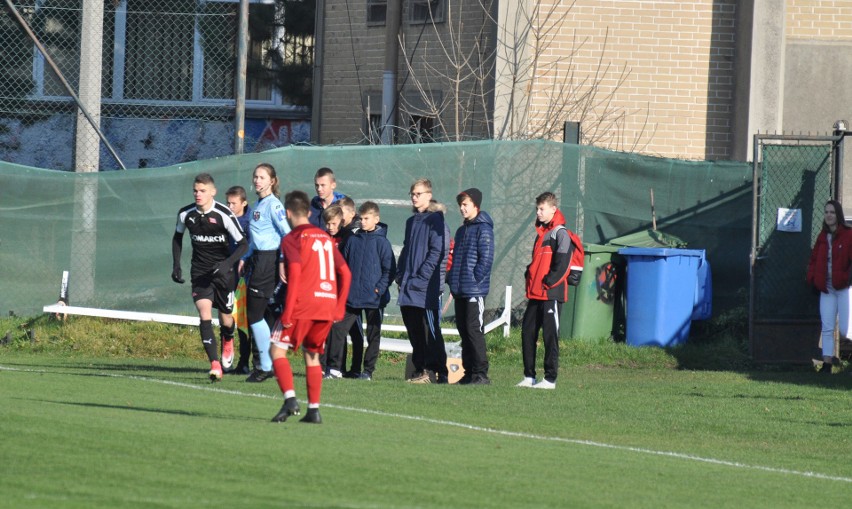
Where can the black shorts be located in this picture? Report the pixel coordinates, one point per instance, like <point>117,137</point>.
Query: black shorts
<point>217,289</point>
<point>264,274</point>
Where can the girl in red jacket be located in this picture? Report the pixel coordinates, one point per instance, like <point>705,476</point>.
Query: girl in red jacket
<point>828,272</point>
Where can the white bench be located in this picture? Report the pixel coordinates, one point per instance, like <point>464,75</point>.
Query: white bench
<point>389,344</point>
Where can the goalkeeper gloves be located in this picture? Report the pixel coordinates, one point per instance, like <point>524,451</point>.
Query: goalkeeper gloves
<point>222,269</point>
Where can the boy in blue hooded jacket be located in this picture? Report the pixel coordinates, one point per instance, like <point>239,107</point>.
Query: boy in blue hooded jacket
<point>370,257</point>
<point>469,279</point>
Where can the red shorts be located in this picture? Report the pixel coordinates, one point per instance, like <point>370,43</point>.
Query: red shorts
<point>309,334</point>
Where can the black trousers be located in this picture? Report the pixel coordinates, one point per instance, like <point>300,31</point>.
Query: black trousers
<point>471,325</point>
<point>541,315</point>
<point>427,342</point>
<point>248,350</point>
<point>334,355</point>
<point>374,337</point>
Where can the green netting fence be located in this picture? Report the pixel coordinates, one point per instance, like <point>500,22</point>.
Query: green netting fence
<point>112,230</point>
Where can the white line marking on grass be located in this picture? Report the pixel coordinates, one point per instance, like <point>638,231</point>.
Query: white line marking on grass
<point>471,427</point>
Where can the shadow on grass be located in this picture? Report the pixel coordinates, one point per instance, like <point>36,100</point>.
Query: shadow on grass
<point>720,357</point>
<point>112,367</point>
<point>841,381</point>
<point>699,394</point>
<point>131,369</point>
<point>150,410</point>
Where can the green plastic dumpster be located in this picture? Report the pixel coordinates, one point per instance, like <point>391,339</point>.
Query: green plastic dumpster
<point>595,307</point>
<point>648,238</point>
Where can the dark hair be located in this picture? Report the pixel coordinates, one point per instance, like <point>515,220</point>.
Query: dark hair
<point>204,178</point>
<point>369,207</point>
<point>272,176</point>
<point>238,191</point>
<point>548,198</point>
<point>838,211</point>
<point>298,203</point>
<point>325,172</point>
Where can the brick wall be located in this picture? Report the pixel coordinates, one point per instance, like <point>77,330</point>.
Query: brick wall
<point>819,20</point>
<point>676,100</point>
<point>352,66</point>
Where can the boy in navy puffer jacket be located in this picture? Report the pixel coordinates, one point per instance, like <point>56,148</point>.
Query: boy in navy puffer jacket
<point>469,279</point>
<point>370,258</point>
<point>420,276</point>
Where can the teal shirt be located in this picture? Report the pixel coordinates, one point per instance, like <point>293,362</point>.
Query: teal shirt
<point>268,223</point>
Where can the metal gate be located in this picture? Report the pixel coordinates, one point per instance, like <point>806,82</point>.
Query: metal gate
<point>793,178</point>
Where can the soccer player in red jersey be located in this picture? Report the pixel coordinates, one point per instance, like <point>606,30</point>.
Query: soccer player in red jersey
<point>317,286</point>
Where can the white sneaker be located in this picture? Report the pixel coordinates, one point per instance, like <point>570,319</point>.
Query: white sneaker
<point>544,384</point>
<point>332,374</point>
<point>526,382</point>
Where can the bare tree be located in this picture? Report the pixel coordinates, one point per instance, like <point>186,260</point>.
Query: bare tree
<point>454,82</point>
<point>503,78</point>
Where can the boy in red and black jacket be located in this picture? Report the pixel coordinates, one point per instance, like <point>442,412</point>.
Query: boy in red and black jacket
<point>547,279</point>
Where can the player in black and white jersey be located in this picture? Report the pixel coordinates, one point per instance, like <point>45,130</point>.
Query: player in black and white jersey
<point>211,226</point>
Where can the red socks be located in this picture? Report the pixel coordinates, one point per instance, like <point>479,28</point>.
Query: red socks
<point>313,379</point>
<point>313,375</point>
<point>283,373</point>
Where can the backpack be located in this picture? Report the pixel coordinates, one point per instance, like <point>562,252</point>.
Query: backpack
<point>578,256</point>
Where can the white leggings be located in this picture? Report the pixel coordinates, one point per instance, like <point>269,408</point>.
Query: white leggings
<point>833,308</point>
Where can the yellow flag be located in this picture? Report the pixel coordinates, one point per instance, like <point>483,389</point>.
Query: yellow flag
<point>240,318</point>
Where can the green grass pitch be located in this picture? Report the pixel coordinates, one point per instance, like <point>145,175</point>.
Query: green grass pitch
<point>107,432</point>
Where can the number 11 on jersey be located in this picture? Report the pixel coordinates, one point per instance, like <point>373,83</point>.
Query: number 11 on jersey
<point>325,253</point>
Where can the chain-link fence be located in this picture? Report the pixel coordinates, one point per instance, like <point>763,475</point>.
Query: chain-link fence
<point>113,230</point>
<point>158,76</point>
<point>794,180</point>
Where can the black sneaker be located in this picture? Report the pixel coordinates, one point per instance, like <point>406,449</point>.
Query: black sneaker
<point>826,368</point>
<point>239,369</point>
<point>441,378</point>
<point>465,379</point>
<point>290,407</point>
<point>480,380</point>
<point>259,375</point>
<point>351,374</point>
<point>312,417</point>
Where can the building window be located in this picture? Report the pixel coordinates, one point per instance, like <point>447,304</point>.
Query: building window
<point>426,11</point>
<point>173,51</point>
<point>377,12</point>
<point>217,26</point>
<point>258,76</point>
<point>57,25</point>
<point>373,132</point>
<point>421,129</point>
<point>158,49</point>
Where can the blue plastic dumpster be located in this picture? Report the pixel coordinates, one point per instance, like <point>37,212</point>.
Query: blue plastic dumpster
<point>703,306</point>
<point>661,294</point>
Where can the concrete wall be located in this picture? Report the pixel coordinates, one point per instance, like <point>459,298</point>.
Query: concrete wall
<point>698,78</point>
<point>141,143</point>
<point>818,78</point>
